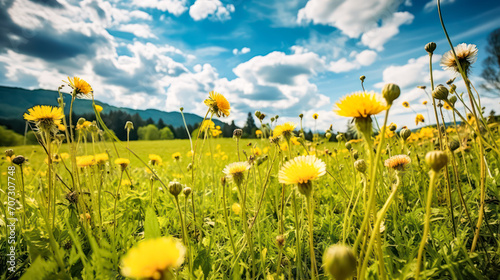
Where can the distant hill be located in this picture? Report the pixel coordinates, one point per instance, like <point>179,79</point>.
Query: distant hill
<point>15,102</point>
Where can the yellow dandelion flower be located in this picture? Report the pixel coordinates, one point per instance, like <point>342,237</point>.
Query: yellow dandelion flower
<point>64,155</point>
<point>265,150</point>
<point>466,55</point>
<point>406,104</point>
<point>447,106</point>
<point>126,182</point>
<point>236,208</point>
<point>398,162</point>
<point>84,125</point>
<point>218,147</point>
<point>218,104</point>
<point>257,151</point>
<point>315,116</point>
<point>425,102</point>
<point>176,156</point>
<point>61,127</point>
<point>236,171</point>
<point>224,157</point>
<point>189,154</point>
<point>155,159</point>
<point>360,105</point>
<point>285,130</point>
<point>153,258</point>
<point>216,132</point>
<point>207,124</point>
<point>419,119</point>
<point>80,87</point>
<point>295,141</point>
<point>122,162</point>
<point>284,147</point>
<point>45,117</point>
<point>101,158</point>
<point>85,161</point>
<point>258,133</point>
<point>302,170</point>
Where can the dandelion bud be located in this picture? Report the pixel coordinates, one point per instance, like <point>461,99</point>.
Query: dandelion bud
<point>280,240</point>
<point>328,135</point>
<point>175,188</point>
<point>339,261</point>
<point>305,188</point>
<point>392,127</point>
<point>272,119</point>
<point>348,146</point>
<point>18,160</point>
<point>189,167</point>
<point>422,87</point>
<point>453,89</point>
<point>181,109</point>
<point>187,191</point>
<point>9,153</point>
<point>362,78</point>
<point>440,93</point>
<point>276,117</point>
<point>430,47</point>
<point>450,81</point>
<point>237,133</point>
<point>355,155</point>
<point>436,160</point>
<point>405,133</point>
<point>454,144</point>
<point>81,121</point>
<point>453,100</point>
<point>339,137</point>
<point>391,92</point>
<point>262,116</point>
<point>129,125</point>
<point>301,116</point>
<point>360,165</point>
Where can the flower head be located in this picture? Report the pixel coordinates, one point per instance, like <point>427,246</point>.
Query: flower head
<point>155,159</point>
<point>315,116</point>
<point>258,133</point>
<point>302,170</point>
<point>360,105</point>
<point>236,171</point>
<point>466,55</point>
<point>45,117</point>
<point>207,124</point>
<point>218,104</point>
<point>101,158</point>
<point>424,102</point>
<point>447,106</point>
<point>176,156</point>
<point>85,161</point>
<point>153,258</point>
<point>406,104</point>
<point>122,162</point>
<point>419,119</point>
<point>398,162</point>
<point>285,130</point>
<point>80,87</point>
<point>236,207</point>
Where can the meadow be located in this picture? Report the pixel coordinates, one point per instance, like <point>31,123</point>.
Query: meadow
<point>391,203</point>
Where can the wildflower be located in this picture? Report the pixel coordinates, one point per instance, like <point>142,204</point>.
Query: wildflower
<point>405,133</point>
<point>391,92</point>
<point>466,55</point>
<point>218,104</point>
<point>45,117</point>
<point>339,261</point>
<point>18,160</point>
<point>122,162</point>
<point>393,127</point>
<point>360,165</point>
<point>153,258</point>
<point>440,92</point>
<point>258,133</point>
<point>315,116</point>
<point>176,156</point>
<point>419,119</point>
<point>235,171</point>
<point>187,191</point>
<point>257,151</point>
<point>155,159</point>
<point>98,108</point>
<point>236,208</point>
<point>207,124</point>
<point>406,104</point>
<point>302,170</point>
<point>85,161</point>
<point>360,105</point>
<point>285,130</point>
<point>447,106</point>
<point>83,125</point>
<point>101,158</point>
<point>436,160</point>
<point>80,87</point>
<point>175,188</point>
<point>398,162</point>
<point>129,125</point>
<point>430,47</point>
<point>61,127</point>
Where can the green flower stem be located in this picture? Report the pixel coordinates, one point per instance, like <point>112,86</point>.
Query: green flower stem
<point>376,229</point>
<point>310,210</point>
<point>297,236</point>
<point>228,222</point>
<point>433,176</point>
<point>184,235</point>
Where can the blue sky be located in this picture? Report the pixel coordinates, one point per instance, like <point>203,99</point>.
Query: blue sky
<point>279,57</point>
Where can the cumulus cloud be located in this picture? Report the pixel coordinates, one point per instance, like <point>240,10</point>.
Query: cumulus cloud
<point>243,50</point>
<point>175,7</point>
<point>431,5</point>
<point>139,30</point>
<point>364,58</point>
<point>211,9</point>
<point>377,37</point>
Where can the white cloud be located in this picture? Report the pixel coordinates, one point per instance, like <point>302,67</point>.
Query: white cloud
<point>139,30</point>
<point>353,17</point>
<point>175,7</point>
<point>243,50</point>
<point>377,37</point>
<point>364,58</point>
<point>212,9</point>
